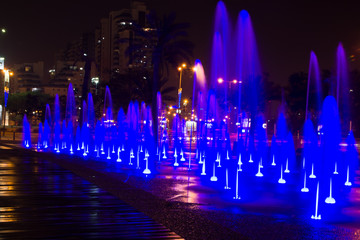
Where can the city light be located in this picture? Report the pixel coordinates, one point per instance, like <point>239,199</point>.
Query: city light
<point>2,59</point>
<point>220,80</point>
<point>95,80</point>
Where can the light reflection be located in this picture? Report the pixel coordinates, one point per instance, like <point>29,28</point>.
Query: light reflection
<point>6,164</point>
<point>4,188</point>
<point>190,195</point>
<point>4,147</point>
<point>7,218</point>
<point>6,215</point>
<point>7,209</point>
<point>7,184</point>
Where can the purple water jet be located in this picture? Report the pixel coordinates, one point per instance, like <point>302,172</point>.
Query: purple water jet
<point>342,86</point>
<point>70,105</point>
<point>313,94</point>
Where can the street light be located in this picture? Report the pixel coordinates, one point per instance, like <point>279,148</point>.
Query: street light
<point>234,81</point>
<point>185,104</point>
<point>180,89</point>
<point>7,75</point>
<point>95,80</point>
<point>180,69</point>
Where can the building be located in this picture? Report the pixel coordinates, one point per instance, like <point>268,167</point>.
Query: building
<point>119,46</point>
<point>79,49</point>
<point>5,78</point>
<point>64,73</point>
<point>70,66</point>
<point>88,45</point>
<point>28,77</point>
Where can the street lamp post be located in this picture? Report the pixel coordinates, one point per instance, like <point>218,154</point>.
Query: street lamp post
<point>7,74</point>
<point>235,81</point>
<point>180,69</point>
<point>185,104</point>
<point>227,101</point>
<point>96,81</point>
<point>183,66</point>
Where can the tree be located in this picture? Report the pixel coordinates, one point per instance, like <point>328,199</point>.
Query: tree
<point>354,96</point>
<point>169,47</point>
<point>32,104</point>
<point>169,50</point>
<point>296,93</point>
<point>137,85</point>
<point>296,99</point>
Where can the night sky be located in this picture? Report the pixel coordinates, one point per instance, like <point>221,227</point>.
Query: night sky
<point>285,33</point>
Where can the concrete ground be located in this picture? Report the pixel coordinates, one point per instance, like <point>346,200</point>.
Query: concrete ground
<point>178,201</point>
<point>41,200</point>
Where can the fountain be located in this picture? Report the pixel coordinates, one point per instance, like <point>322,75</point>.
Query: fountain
<point>26,133</point>
<point>227,144</point>
<point>314,76</point>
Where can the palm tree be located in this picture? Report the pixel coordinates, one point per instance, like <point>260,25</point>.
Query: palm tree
<point>169,47</point>
<point>137,85</point>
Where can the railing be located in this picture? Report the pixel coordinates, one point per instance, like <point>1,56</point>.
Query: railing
<point>5,134</point>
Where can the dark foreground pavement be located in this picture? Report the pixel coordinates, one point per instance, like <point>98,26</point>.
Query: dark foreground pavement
<point>40,199</point>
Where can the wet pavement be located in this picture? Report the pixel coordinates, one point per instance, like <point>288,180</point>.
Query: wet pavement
<point>41,200</point>
<point>175,198</point>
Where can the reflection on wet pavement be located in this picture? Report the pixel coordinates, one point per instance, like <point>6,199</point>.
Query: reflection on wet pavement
<point>190,205</point>
<point>38,199</point>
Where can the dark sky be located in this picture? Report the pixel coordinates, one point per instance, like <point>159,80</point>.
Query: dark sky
<point>286,32</point>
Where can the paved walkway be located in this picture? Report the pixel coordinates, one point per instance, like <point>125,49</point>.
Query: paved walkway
<point>178,201</point>
<point>40,200</point>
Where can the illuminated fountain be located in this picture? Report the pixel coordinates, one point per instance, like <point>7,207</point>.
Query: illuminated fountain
<point>313,93</point>
<point>227,145</point>
<point>26,133</point>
